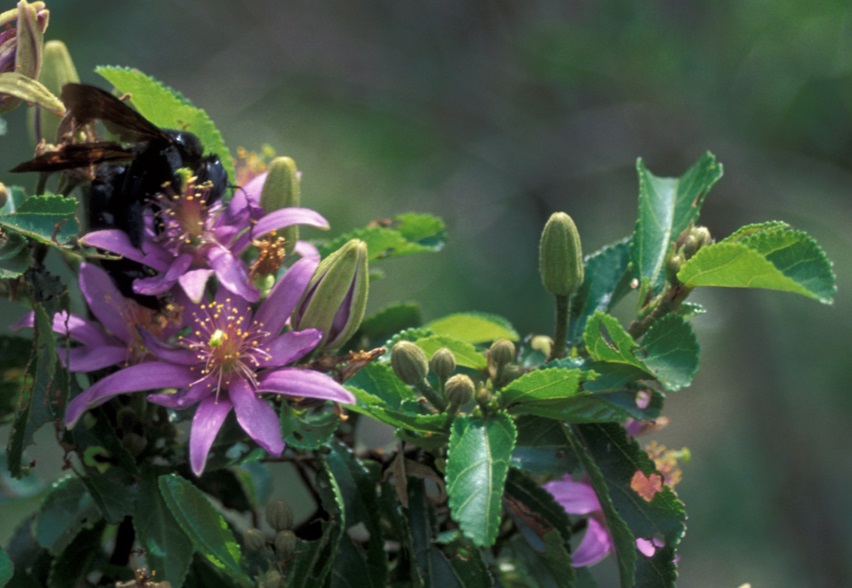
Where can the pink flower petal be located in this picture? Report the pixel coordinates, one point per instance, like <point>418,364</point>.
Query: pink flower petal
<point>136,378</point>
<point>279,219</point>
<point>89,359</point>
<point>208,419</point>
<point>575,497</point>
<point>116,241</point>
<point>290,347</point>
<point>304,383</point>
<point>275,311</point>
<point>162,283</point>
<point>595,546</point>
<point>194,282</point>
<point>105,301</point>
<point>232,273</point>
<point>256,417</point>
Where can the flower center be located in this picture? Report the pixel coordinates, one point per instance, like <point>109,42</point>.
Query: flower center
<point>184,218</point>
<point>227,345</point>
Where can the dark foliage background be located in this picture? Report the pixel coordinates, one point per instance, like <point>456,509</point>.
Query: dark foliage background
<point>494,114</point>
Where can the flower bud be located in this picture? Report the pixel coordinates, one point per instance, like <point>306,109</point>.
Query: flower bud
<point>560,255</point>
<point>254,539</point>
<point>58,69</point>
<point>281,190</point>
<point>21,49</point>
<point>409,363</point>
<point>673,265</point>
<point>459,389</point>
<point>502,352</point>
<point>443,363</point>
<point>285,543</point>
<point>702,235</point>
<point>484,397</point>
<point>279,515</point>
<point>336,297</point>
<point>272,579</point>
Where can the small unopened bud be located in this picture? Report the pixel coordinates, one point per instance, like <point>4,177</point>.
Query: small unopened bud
<point>560,255</point>
<point>254,539</point>
<point>4,194</point>
<point>484,397</point>
<point>409,363</point>
<point>285,543</point>
<point>279,515</point>
<point>673,265</point>
<point>459,389</point>
<point>690,246</point>
<point>502,352</point>
<point>702,235</point>
<point>272,579</point>
<point>281,190</point>
<point>336,297</point>
<point>21,50</point>
<point>443,363</point>
<point>542,343</point>
<point>57,70</point>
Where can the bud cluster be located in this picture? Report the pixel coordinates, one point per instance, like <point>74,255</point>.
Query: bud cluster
<point>280,549</point>
<point>687,245</point>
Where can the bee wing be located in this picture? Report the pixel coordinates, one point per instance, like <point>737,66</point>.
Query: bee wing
<point>80,155</point>
<point>86,103</point>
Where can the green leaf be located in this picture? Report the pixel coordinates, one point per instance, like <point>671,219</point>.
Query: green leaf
<point>541,447</point>
<point>168,550</point>
<point>671,351</point>
<point>607,281</point>
<point>14,353</point>
<point>306,429</point>
<point>167,108</point>
<point>405,234</point>
<point>466,354</point>
<point>14,255</point>
<point>769,255</point>
<point>477,465</point>
<point>203,525</point>
<point>666,207</point>
<point>618,457</point>
<point>113,490</point>
<point>607,341</point>
<point>379,382</point>
<point>43,399</point>
<point>47,219</point>
<point>546,384</point>
<point>549,567</point>
<point>7,568</point>
<point>79,559</point>
<point>474,327</point>
<point>65,510</point>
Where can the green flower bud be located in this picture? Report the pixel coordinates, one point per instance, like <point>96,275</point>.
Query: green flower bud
<point>4,194</point>
<point>336,297</point>
<point>560,256</point>
<point>58,69</point>
<point>285,543</point>
<point>484,397</point>
<point>459,389</point>
<point>21,49</point>
<point>272,579</point>
<point>690,246</point>
<point>254,539</point>
<point>502,352</point>
<point>279,515</point>
<point>409,363</point>
<point>281,190</point>
<point>673,265</point>
<point>443,363</point>
<point>702,235</point>
<point>542,343</point>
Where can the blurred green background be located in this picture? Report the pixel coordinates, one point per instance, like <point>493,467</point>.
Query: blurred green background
<point>493,114</point>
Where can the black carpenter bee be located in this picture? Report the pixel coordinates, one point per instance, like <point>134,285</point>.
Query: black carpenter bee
<point>124,174</point>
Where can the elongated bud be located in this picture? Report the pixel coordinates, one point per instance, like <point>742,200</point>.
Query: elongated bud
<point>336,297</point>
<point>281,190</point>
<point>285,543</point>
<point>279,515</point>
<point>409,363</point>
<point>272,579</point>
<point>443,363</point>
<point>502,352</point>
<point>58,69</point>
<point>21,56</point>
<point>459,389</point>
<point>254,539</point>
<point>560,255</point>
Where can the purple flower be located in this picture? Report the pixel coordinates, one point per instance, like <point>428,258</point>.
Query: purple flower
<point>196,239</point>
<point>579,498</point>
<point>115,338</point>
<point>228,358</point>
